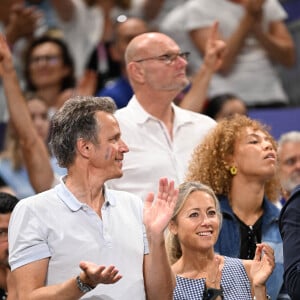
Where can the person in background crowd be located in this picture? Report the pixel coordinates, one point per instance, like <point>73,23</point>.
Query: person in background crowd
<point>289,229</point>
<point>82,25</point>
<point>200,272</point>
<point>256,39</point>
<point>14,167</point>
<point>18,23</point>
<point>27,166</point>
<point>288,163</point>
<point>238,160</point>
<point>7,287</point>
<point>49,69</point>
<point>102,61</point>
<point>120,89</point>
<point>225,106</point>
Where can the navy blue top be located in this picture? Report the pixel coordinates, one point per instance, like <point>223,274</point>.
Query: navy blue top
<point>120,90</point>
<point>289,224</point>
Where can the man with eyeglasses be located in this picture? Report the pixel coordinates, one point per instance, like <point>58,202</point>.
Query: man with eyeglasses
<point>161,136</point>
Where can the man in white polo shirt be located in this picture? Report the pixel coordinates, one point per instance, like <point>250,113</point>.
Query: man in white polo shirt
<point>81,240</point>
<point>161,136</point>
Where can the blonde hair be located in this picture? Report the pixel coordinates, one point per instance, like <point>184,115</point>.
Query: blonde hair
<point>185,190</point>
<point>209,159</point>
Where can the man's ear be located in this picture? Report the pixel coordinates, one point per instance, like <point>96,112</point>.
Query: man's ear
<point>136,72</point>
<point>83,147</point>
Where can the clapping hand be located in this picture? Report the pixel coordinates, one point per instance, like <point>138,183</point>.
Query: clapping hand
<point>22,23</point>
<point>5,56</point>
<point>158,212</point>
<point>262,264</point>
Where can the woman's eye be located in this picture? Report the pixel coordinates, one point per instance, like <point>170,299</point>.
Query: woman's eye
<point>194,215</point>
<point>211,213</point>
<point>253,142</point>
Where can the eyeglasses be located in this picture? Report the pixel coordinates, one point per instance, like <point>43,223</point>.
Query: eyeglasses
<point>166,58</point>
<point>49,59</point>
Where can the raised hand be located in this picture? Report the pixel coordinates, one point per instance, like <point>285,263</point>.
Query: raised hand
<point>94,274</point>
<point>262,264</point>
<point>5,56</point>
<point>214,49</point>
<point>22,22</point>
<point>158,212</point>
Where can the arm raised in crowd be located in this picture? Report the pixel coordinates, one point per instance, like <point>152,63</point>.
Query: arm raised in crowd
<point>214,51</point>
<point>22,23</point>
<point>276,41</point>
<point>157,215</point>
<point>34,150</point>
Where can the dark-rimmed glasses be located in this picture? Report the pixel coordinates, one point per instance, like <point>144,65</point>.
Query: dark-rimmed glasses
<point>166,58</point>
<point>49,59</point>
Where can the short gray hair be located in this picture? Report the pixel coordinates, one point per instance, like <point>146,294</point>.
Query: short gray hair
<point>74,120</point>
<point>291,136</point>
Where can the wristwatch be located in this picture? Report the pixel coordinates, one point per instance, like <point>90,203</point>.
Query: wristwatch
<point>83,287</point>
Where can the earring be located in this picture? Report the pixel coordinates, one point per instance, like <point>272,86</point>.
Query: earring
<point>233,170</point>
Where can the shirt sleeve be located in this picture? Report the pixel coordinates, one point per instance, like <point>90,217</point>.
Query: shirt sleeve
<point>27,242</point>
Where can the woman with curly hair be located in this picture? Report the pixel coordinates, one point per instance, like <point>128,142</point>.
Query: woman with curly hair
<point>238,161</point>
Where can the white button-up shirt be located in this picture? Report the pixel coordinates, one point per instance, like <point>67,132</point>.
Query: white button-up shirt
<point>152,153</point>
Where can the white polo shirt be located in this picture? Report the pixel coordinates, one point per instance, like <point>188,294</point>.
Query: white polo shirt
<point>55,224</point>
<point>152,153</point>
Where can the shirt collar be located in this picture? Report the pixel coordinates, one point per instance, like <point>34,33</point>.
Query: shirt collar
<point>73,203</point>
<point>181,116</point>
<point>271,212</point>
